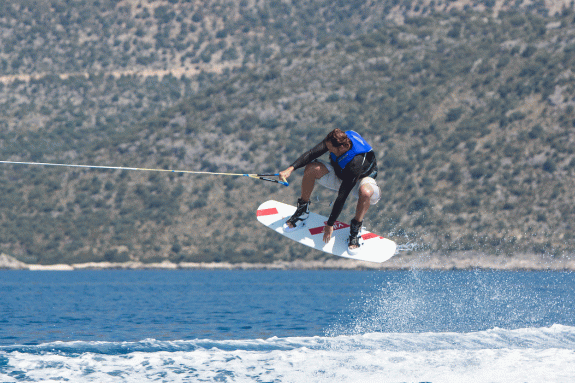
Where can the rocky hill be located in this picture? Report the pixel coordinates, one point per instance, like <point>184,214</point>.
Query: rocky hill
<point>470,107</point>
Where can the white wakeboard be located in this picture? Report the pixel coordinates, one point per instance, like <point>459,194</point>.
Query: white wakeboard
<point>374,248</point>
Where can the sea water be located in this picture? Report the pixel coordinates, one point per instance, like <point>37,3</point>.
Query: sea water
<point>287,326</point>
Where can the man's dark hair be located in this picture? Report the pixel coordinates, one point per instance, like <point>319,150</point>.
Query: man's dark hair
<point>337,138</point>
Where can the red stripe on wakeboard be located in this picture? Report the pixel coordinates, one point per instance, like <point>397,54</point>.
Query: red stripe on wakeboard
<point>336,226</point>
<point>316,230</point>
<point>370,236</point>
<point>270,211</point>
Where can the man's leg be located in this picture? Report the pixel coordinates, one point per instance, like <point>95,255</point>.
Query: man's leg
<point>365,193</point>
<point>312,172</point>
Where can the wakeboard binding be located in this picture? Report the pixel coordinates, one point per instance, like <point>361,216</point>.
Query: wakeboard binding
<point>297,219</point>
<point>354,237</point>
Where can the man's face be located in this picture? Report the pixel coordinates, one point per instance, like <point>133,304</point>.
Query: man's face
<point>337,150</point>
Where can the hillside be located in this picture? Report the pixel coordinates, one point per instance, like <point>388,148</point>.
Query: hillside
<point>469,108</point>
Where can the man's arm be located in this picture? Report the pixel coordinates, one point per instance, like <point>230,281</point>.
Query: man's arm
<point>349,177</point>
<point>304,159</point>
<point>310,155</point>
<point>344,190</point>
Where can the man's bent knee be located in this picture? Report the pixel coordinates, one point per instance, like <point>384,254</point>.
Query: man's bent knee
<point>365,191</point>
<point>368,186</point>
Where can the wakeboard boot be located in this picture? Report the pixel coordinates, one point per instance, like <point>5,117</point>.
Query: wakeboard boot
<point>354,237</point>
<point>300,215</point>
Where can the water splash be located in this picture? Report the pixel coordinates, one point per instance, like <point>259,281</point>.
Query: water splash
<point>422,301</point>
<point>409,246</point>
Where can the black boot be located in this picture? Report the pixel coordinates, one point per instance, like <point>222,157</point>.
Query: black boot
<point>354,229</point>
<point>301,214</point>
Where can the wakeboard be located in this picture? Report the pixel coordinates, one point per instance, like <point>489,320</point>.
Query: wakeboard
<point>374,248</point>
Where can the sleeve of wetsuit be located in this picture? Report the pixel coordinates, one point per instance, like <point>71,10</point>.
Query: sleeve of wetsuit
<point>344,190</point>
<point>349,177</point>
<point>310,155</point>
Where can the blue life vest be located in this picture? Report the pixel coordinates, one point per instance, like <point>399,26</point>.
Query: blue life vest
<point>359,146</point>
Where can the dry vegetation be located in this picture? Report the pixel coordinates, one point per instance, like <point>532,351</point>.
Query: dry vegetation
<point>469,106</point>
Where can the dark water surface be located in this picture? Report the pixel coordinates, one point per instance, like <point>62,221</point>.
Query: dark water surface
<point>118,305</point>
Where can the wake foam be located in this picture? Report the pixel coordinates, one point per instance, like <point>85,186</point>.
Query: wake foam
<point>494,355</point>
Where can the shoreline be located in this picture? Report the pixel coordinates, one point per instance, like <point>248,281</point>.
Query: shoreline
<point>426,261</point>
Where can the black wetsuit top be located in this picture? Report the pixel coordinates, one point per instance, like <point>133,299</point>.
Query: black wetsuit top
<point>362,165</point>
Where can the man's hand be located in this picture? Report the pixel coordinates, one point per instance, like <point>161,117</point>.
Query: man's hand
<point>327,231</point>
<point>284,175</point>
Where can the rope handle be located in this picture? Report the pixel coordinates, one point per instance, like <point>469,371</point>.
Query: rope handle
<point>264,177</point>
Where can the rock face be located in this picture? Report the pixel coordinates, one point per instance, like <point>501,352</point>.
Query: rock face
<point>469,106</point>
<point>11,263</point>
<point>421,261</point>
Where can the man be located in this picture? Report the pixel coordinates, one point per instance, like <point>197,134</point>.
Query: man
<point>352,166</point>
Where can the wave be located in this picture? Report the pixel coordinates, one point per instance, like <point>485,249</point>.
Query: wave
<point>496,355</point>
<point>557,336</point>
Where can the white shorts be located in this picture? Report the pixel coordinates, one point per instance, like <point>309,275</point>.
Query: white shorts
<point>333,182</point>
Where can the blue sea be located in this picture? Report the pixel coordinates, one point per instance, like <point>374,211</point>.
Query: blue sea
<point>287,326</point>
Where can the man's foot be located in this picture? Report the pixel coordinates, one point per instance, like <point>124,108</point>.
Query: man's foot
<point>353,245</point>
<point>300,215</point>
<point>353,242</point>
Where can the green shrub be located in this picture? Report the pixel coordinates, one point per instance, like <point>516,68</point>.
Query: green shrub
<point>454,114</point>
